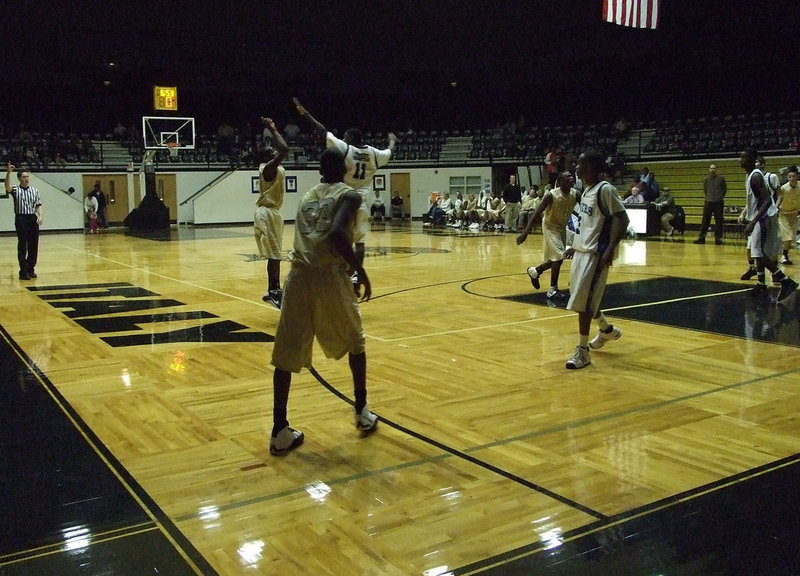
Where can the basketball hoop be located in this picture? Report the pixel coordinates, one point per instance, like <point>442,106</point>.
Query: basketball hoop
<point>173,149</point>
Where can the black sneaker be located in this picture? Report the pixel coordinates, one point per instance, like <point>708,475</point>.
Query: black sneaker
<point>788,287</point>
<point>751,272</point>
<point>759,290</point>
<point>533,274</point>
<point>24,276</point>
<point>700,241</point>
<point>274,297</point>
<point>718,242</point>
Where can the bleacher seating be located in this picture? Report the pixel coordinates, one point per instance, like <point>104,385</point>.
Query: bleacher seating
<point>702,137</point>
<point>685,179</point>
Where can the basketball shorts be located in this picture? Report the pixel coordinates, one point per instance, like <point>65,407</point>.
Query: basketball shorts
<point>587,284</point>
<point>268,229</point>
<point>765,240</point>
<point>317,302</point>
<point>788,226</point>
<point>553,245</point>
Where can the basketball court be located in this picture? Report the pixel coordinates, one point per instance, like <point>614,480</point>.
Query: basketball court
<point>137,379</point>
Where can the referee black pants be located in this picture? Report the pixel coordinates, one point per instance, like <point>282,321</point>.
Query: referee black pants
<point>27,242</point>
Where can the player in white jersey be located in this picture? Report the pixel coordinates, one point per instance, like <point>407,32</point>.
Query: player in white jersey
<point>318,298</point>
<point>267,221</point>
<point>762,228</point>
<point>602,224</point>
<point>361,160</point>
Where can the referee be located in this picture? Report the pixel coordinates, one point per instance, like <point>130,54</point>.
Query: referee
<point>27,219</point>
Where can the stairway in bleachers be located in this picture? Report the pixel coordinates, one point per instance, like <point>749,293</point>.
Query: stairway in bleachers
<point>112,153</point>
<point>455,149</point>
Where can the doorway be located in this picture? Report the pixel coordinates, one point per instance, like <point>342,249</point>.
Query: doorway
<point>115,188</point>
<point>166,190</point>
<point>401,182</point>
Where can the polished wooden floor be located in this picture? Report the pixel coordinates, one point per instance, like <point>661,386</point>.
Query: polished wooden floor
<point>489,452</point>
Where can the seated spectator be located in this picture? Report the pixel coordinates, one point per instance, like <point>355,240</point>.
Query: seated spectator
<point>665,206</point>
<point>446,204</point>
<point>472,215</point>
<point>529,203</point>
<point>456,214</point>
<point>495,208</point>
<point>435,214</point>
<point>398,210</point>
<point>377,209</point>
<point>636,196</point>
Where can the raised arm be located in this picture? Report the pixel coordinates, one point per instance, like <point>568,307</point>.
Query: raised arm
<point>280,145</point>
<point>9,171</point>
<point>316,124</point>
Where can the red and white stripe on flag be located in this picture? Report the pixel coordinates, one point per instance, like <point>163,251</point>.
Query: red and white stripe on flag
<point>633,13</point>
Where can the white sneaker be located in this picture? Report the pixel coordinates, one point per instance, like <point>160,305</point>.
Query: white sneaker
<point>474,226</point>
<point>367,420</point>
<point>287,440</point>
<point>671,232</point>
<point>579,359</point>
<point>600,340</point>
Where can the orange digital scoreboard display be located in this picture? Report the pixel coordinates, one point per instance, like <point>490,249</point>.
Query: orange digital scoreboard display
<point>165,98</point>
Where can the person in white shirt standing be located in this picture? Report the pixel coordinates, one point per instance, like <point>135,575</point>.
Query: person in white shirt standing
<point>763,229</point>
<point>602,224</point>
<point>362,162</point>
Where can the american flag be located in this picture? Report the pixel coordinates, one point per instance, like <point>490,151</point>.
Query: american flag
<point>633,13</point>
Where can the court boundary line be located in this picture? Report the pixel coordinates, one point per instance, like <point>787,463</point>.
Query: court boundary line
<point>640,512</point>
<point>186,550</point>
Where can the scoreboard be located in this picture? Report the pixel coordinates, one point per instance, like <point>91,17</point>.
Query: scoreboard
<point>165,98</point>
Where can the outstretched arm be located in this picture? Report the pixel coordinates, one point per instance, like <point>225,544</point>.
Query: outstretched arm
<point>546,201</point>
<point>280,145</point>
<point>316,124</point>
<point>342,222</point>
<point>9,170</point>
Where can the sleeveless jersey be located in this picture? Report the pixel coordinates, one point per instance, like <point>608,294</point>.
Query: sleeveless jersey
<point>313,224</point>
<point>592,217</point>
<point>361,163</point>
<point>557,214</point>
<point>791,198</point>
<point>271,195</point>
<point>752,199</point>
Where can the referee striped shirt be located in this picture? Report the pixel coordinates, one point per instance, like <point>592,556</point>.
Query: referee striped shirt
<point>25,199</point>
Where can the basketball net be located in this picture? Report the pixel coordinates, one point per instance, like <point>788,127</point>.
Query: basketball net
<point>173,149</point>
